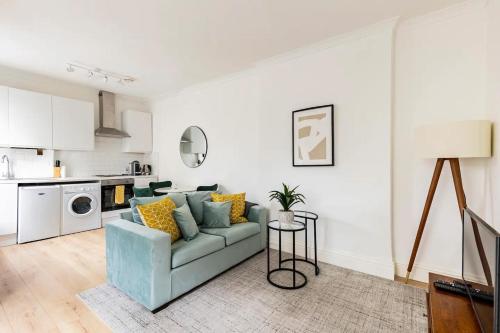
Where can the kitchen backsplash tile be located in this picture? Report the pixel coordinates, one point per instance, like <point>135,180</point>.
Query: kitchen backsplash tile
<point>106,158</point>
<point>25,163</point>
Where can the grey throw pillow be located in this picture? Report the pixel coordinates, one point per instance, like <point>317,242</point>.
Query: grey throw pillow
<point>186,222</point>
<point>216,214</point>
<point>195,201</point>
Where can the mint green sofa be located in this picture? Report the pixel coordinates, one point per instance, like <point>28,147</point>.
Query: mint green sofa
<point>142,263</point>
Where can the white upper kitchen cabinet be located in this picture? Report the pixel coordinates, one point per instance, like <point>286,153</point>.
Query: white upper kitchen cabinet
<point>73,124</point>
<point>4,116</point>
<point>30,119</point>
<point>138,126</point>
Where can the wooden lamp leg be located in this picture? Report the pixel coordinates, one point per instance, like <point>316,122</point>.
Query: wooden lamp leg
<point>459,190</point>
<point>462,204</point>
<point>425,213</point>
<point>457,181</point>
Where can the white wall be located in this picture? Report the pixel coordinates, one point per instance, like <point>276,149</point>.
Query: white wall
<point>440,75</point>
<point>446,67</point>
<point>493,103</point>
<point>247,120</point>
<point>107,156</point>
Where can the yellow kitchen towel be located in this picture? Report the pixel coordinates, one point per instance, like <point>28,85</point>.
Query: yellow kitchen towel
<point>119,194</point>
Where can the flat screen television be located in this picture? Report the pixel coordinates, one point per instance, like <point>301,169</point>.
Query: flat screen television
<point>480,269</point>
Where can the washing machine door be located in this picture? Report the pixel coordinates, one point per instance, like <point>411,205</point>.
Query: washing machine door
<point>82,204</point>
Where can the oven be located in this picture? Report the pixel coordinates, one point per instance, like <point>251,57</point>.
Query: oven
<point>108,189</point>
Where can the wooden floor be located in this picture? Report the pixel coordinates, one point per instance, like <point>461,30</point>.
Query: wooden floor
<point>39,282</point>
<point>415,283</point>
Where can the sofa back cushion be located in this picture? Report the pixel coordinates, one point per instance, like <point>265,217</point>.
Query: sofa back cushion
<point>178,198</point>
<point>195,201</point>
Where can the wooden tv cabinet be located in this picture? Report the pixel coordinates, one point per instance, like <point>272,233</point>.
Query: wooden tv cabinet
<point>448,312</point>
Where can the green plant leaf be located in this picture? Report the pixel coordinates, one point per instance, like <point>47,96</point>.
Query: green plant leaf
<point>288,197</point>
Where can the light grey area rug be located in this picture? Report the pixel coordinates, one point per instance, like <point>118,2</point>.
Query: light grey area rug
<point>241,300</point>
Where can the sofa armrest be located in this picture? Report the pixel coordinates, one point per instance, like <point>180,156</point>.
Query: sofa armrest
<point>258,214</point>
<point>138,262</point>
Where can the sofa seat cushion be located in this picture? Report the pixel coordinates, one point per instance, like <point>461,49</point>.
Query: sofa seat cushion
<point>235,233</point>
<point>203,244</point>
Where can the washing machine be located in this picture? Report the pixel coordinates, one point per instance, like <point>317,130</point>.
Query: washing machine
<point>81,207</point>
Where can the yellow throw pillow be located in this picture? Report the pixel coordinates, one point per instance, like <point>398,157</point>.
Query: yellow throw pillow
<point>237,207</point>
<point>159,215</point>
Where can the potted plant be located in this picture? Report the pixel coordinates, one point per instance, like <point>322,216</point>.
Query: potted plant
<point>287,198</point>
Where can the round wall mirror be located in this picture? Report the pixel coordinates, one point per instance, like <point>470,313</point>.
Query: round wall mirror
<point>193,146</point>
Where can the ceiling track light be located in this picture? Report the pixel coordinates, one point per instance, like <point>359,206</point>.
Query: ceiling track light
<point>93,72</point>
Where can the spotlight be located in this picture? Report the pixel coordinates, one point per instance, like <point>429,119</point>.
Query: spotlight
<point>98,73</point>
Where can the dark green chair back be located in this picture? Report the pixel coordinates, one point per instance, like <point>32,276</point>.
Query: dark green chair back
<point>142,191</point>
<point>213,187</point>
<point>156,185</point>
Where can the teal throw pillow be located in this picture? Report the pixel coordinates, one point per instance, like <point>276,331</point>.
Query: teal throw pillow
<point>195,201</point>
<point>186,222</point>
<point>216,214</point>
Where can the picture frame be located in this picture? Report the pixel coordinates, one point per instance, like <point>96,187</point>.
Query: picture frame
<point>313,136</point>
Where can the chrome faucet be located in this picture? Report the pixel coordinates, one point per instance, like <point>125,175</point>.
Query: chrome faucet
<point>6,174</point>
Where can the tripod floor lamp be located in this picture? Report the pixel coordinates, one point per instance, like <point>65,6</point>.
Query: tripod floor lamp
<point>449,142</point>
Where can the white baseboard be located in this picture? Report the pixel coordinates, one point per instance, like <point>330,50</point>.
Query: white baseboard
<point>372,266</point>
<point>421,272</point>
<point>6,240</point>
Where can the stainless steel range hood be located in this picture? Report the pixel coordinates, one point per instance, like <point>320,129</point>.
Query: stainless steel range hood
<point>107,117</point>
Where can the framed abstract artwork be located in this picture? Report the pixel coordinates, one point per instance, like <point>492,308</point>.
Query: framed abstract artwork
<point>312,136</point>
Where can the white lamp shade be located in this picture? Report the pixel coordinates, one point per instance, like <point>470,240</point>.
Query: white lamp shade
<point>462,139</point>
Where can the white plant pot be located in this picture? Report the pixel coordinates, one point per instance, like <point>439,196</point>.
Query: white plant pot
<point>285,216</point>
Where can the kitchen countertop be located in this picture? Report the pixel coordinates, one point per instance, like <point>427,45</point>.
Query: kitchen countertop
<point>65,179</point>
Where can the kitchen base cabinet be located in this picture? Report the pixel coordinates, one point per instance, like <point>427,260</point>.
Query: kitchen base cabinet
<point>8,218</point>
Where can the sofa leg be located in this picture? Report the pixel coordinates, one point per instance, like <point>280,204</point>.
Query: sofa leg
<point>164,306</point>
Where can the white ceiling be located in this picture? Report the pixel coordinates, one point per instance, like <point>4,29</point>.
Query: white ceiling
<point>171,44</point>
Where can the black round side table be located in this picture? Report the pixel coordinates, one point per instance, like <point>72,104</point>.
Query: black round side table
<point>293,228</point>
<point>305,217</point>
